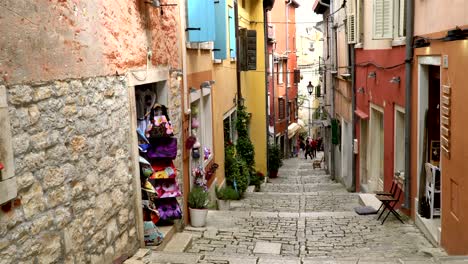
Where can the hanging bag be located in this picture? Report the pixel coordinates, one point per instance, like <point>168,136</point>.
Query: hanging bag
<point>163,149</point>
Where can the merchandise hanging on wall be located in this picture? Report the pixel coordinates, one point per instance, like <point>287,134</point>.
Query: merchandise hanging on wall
<point>158,148</point>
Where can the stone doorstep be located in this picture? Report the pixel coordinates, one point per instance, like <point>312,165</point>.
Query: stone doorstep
<point>178,243</point>
<point>369,199</point>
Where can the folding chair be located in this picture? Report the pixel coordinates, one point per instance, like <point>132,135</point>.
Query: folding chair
<point>389,202</point>
<point>392,193</point>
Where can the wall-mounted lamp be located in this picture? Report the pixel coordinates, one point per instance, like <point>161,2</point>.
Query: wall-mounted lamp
<point>310,88</point>
<point>157,4</point>
<point>345,75</point>
<point>395,79</point>
<point>420,43</point>
<point>372,75</point>
<point>361,90</point>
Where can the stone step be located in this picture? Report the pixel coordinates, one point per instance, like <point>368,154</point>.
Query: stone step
<point>178,243</point>
<point>162,257</point>
<point>369,199</point>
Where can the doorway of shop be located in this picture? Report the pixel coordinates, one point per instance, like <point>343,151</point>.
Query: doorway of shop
<point>376,164</point>
<point>363,155</point>
<point>429,165</point>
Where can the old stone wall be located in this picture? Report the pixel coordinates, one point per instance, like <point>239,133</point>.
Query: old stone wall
<point>75,199</point>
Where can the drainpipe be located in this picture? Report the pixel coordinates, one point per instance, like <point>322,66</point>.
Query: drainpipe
<point>333,83</point>
<point>408,80</point>
<point>353,115</point>
<point>286,143</point>
<point>265,40</point>
<point>238,58</point>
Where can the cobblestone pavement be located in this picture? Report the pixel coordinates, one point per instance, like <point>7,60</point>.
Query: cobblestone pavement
<point>304,217</point>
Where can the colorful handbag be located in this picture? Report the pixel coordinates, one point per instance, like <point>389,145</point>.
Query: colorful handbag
<point>153,236</point>
<point>166,188</point>
<point>163,149</point>
<point>169,209</point>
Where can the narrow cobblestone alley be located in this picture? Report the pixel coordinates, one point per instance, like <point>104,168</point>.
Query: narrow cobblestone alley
<point>302,217</point>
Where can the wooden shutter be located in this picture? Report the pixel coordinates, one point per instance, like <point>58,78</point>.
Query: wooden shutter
<point>383,19</point>
<point>251,49</point>
<point>220,43</point>
<point>351,22</point>
<point>200,20</point>
<point>232,33</point>
<point>402,19</point>
<point>297,76</point>
<point>243,49</point>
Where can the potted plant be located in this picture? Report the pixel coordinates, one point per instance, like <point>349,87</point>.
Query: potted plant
<point>225,195</point>
<point>198,206</point>
<point>274,160</point>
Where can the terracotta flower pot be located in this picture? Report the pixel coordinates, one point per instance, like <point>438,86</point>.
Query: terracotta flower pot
<point>198,217</point>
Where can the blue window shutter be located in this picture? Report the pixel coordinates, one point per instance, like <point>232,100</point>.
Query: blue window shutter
<point>232,33</point>
<point>200,20</point>
<point>220,43</point>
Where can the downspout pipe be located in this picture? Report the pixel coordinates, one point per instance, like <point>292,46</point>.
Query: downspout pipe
<point>238,70</point>
<point>353,115</point>
<point>267,87</point>
<point>408,80</point>
<point>286,105</point>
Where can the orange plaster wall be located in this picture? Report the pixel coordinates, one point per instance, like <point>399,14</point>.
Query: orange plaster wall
<point>46,40</point>
<point>454,236</point>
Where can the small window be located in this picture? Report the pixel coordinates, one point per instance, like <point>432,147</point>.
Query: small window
<point>280,72</point>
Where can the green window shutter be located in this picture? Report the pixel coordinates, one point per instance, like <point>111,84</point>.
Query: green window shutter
<point>243,49</point>
<point>232,33</point>
<point>220,43</point>
<point>200,20</point>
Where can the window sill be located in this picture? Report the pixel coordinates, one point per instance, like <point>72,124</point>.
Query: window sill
<point>399,42</point>
<point>200,45</point>
<point>358,45</point>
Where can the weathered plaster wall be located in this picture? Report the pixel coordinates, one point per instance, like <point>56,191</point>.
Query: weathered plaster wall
<point>76,202</point>
<point>56,39</point>
<point>75,194</point>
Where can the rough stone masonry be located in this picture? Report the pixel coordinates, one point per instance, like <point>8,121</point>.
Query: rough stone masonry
<point>75,199</point>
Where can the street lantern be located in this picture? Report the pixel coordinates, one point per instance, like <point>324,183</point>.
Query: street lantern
<point>310,88</point>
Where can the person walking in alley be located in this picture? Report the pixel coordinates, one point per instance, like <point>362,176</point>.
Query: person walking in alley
<point>313,145</point>
<point>308,147</point>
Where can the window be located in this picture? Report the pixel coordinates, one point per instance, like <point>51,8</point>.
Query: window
<point>202,111</point>
<point>288,76</point>
<point>230,131</point>
<point>389,19</point>
<point>280,72</point>
<point>290,109</point>
<point>281,108</point>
